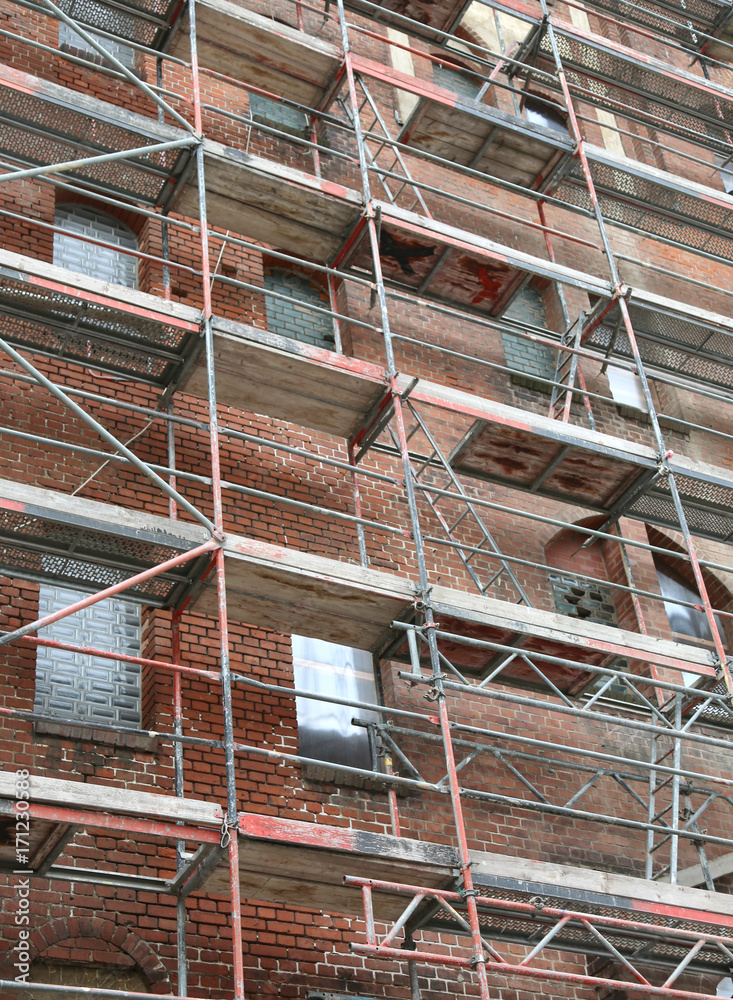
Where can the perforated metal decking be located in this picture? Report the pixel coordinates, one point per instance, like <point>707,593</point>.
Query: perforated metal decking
<point>652,948</point>
<point>653,201</point>
<point>42,123</point>
<point>62,314</point>
<point>147,22</point>
<point>682,21</point>
<point>60,539</point>
<point>636,86</point>
<point>680,343</point>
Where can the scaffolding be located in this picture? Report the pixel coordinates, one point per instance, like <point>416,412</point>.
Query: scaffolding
<point>380,215</point>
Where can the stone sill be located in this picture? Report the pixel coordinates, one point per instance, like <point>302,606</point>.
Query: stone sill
<point>79,732</point>
<point>322,773</point>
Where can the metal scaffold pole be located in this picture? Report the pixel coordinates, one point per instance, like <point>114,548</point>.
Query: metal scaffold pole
<point>230,840</point>
<point>479,959</point>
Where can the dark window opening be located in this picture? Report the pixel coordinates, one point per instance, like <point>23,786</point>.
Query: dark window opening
<point>541,113</point>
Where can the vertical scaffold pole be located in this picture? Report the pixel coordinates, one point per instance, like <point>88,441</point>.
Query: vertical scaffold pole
<point>629,329</point>
<point>479,960</point>
<point>229,837</point>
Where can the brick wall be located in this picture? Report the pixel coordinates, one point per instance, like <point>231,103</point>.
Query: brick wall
<point>289,946</point>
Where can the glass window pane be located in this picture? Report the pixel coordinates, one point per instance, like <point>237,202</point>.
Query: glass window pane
<point>325,731</point>
<point>684,621</point>
<point>626,388</point>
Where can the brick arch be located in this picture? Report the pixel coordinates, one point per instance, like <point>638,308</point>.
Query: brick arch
<point>108,933</point>
<point>134,222</point>
<point>545,534</point>
<point>563,549</point>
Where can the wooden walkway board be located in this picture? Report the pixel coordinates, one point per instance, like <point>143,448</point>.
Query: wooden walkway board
<point>284,860</point>
<point>282,206</point>
<point>283,378</point>
<point>475,135</point>
<point>442,15</point>
<point>533,462</point>
<point>260,51</point>
<point>111,799</point>
<point>294,591</point>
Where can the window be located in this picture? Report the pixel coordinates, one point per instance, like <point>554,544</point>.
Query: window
<point>456,79</point>
<point>522,355</point>
<point>88,258</point>
<point>278,115</point>
<point>579,598</point>
<point>71,41</point>
<point>285,316</point>
<point>82,688</point>
<point>691,626</point>
<point>726,172</point>
<point>688,624</point>
<point>325,731</point>
<point>626,389</point>
<point>544,113</point>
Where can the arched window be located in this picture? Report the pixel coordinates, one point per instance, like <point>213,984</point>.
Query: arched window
<point>523,356</point>
<point>542,112</point>
<point>691,626</point>
<point>454,76</point>
<point>688,624</point>
<point>89,258</point>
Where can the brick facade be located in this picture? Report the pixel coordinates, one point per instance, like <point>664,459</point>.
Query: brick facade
<point>291,486</point>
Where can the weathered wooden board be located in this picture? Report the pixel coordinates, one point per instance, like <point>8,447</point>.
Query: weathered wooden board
<point>515,150</point>
<point>520,459</point>
<point>722,50</point>
<point>474,272</point>
<point>113,799</point>
<point>578,636</point>
<point>693,876</point>
<point>292,591</point>
<point>282,206</point>
<point>281,377</point>
<point>286,860</point>
<point>463,278</point>
<point>260,51</point>
<point>637,893</point>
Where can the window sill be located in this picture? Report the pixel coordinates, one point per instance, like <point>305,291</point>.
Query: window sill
<point>323,774</point>
<point>527,382</point>
<point>66,729</point>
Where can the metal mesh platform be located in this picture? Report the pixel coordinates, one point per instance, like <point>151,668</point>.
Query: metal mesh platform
<point>651,949</point>
<point>40,541</point>
<point>708,506</point>
<point>41,124</point>
<point>671,343</point>
<point>675,20</point>
<point>642,89</point>
<point>53,319</point>
<point>147,22</point>
<point>654,204</point>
